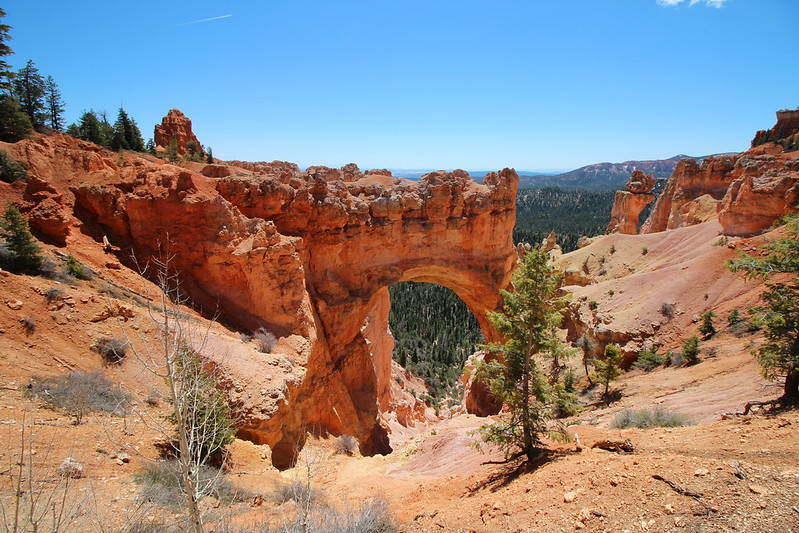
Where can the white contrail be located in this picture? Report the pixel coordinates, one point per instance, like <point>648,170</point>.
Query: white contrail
<point>204,20</point>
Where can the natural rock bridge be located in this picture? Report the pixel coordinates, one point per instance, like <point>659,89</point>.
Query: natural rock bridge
<point>309,256</point>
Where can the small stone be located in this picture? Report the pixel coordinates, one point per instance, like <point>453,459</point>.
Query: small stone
<point>757,489</point>
<point>678,521</point>
<point>119,461</point>
<point>569,496</point>
<point>668,509</point>
<point>14,305</point>
<point>701,472</point>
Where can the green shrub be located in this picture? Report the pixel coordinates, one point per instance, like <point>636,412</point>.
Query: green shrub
<point>756,322</point>
<point>667,309</point>
<point>648,360</point>
<point>644,250</point>
<point>645,419</point>
<point>734,316</point>
<point>592,305</point>
<point>690,350</point>
<point>10,170</point>
<point>76,269</point>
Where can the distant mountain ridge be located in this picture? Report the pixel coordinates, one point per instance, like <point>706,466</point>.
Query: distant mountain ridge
<point>602,176</point>
<point>598,177</point>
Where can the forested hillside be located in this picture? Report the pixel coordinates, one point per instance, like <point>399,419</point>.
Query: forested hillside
<point>434,330</point>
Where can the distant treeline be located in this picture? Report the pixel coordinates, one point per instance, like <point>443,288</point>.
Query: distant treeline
<point>433,329</point>
<point>571,214</point>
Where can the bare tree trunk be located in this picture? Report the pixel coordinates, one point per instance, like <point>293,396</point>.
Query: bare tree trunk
<point>791,392</point>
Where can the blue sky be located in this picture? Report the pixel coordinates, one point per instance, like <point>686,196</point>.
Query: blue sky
<point>427,84</point>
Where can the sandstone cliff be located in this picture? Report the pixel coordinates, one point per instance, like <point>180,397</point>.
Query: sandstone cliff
<point>306,255</point>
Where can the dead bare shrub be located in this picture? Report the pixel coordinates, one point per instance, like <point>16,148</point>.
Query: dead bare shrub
<point>79,393</point>
<point>346,444</point>
<point>112,349</point>
<point>265,340</point>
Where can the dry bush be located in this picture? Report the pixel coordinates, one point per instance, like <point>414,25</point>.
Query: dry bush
<point>162,484</point>
<point>265,340</point>
<point>53,294</point>
<point>29,324</point>
<point>79,393</point>
<point>649,419</point>
<point>112,349</point>
<point>346,444</point>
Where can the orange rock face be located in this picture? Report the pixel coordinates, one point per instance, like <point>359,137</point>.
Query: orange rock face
<point>627,205</point>
<point>747,192</point>
<point>306,255</point>
<point>174,124</point>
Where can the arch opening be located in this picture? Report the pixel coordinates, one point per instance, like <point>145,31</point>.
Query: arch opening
<point>434,332</point>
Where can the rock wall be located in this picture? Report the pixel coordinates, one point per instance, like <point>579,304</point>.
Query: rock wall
<point>747,192</point>
<point>306,255</point>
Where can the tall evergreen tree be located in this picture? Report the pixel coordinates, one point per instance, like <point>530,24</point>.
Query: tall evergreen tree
<point>126,134</point>
<point>28,89</point>
<point>210,159</point>
<point>528,320</point>
<point>5,50</point>
<point>106,129</point>
<point>14,123</point>
<point>54,104</point>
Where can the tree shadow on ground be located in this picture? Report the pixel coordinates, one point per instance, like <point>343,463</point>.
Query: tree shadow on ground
<point>511,470</point>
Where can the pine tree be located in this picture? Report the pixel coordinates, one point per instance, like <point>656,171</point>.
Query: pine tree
<point>528,320</point>
<point>778,356</point>
<point>14,123</point>
<point>28,89</point>
<point>89,128</point>
<point>210,159</point>
<point>55,106</point>
<point>126,134</point>
<point>5,50</point>
<point>25,254</point>
<point>607,369</point>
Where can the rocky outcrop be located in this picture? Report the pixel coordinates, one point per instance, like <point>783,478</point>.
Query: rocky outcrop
<point>747,192</point>
<point>627,205</point>
<point>175,124</point>
<point>787,126</point>
<point>675,207</point>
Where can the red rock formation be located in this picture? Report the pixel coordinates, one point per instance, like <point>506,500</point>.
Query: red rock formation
<point>175,124</point>
<point>309,256</point>
<point>675,208</point>
<point>627,205</point>
<point>747,192</point>
<point>787,125</point>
